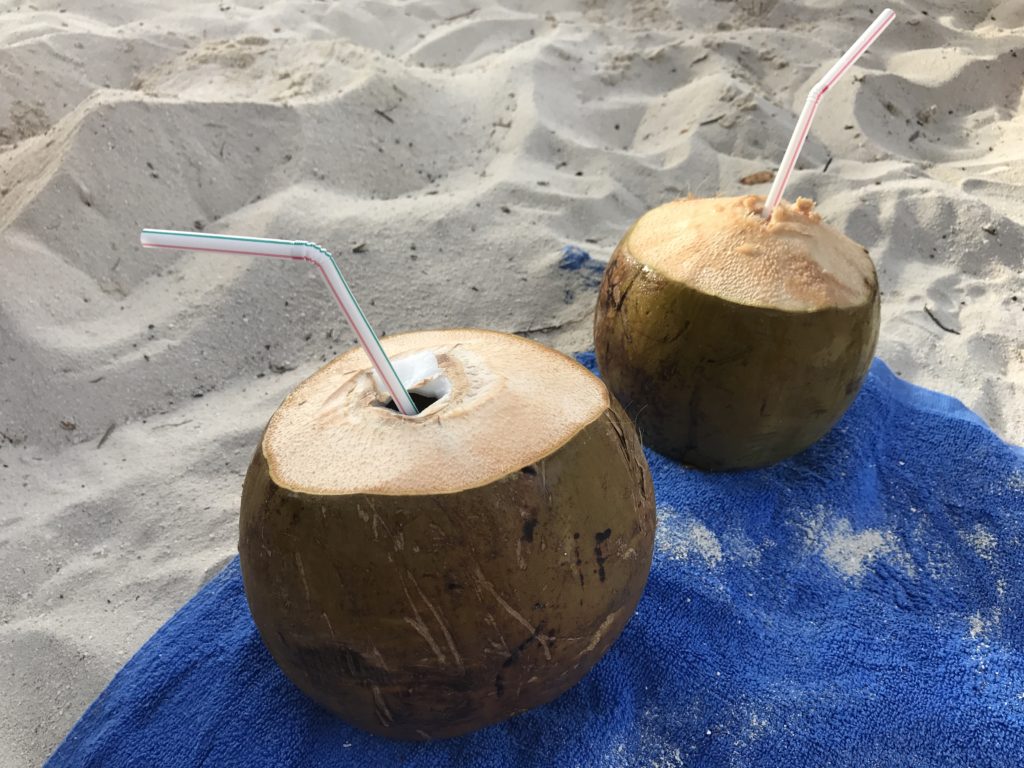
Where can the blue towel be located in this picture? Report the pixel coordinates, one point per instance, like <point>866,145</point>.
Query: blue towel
<point>860,604</point>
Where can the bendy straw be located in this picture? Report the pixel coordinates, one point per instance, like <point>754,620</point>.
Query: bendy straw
<point>297,250</point>
<point>803,125</point>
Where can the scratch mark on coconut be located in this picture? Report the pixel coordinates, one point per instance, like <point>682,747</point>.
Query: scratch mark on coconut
<point>302,574</point>
<point>437,617</point>
<point>421,628</point>
<point>376,655</point>
<point>514,613</point>
<point>600,632</point>
<point>380,708</point>
<point>397,538</point>
<point>631,458</point>
<point>378,520</point>
<point>503,645</point>
<point>334,637</point>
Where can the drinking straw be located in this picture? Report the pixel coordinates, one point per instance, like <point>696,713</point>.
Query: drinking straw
<point>803,125</point>
<point>421,370</point>
<point>296,250</point>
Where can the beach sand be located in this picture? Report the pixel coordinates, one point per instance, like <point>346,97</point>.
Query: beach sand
<point>446,152</point>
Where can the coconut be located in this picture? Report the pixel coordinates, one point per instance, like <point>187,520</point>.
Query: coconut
<point>732,340</point>
<point>425,576</point>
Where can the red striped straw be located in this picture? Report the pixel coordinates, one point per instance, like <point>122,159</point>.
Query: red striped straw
<point>803,125</point>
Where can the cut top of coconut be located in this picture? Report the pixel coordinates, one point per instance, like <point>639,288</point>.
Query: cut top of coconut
<point>723,247</point>
<point>508,402</point>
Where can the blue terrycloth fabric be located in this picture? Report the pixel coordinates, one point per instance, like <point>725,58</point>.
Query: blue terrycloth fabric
<point>861,604</point>
<point>575,259</point>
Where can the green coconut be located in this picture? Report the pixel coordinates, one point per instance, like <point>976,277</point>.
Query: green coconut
<point>735,341</point>
<point>425,576</point>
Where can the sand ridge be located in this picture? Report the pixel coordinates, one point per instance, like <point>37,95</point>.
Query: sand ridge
<point>445,151</point>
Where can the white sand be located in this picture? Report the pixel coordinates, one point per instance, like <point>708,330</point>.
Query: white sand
<point>464,143</point>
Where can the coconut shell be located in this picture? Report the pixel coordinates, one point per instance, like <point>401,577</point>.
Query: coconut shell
<point>425,587</point>
<point>732,341</point>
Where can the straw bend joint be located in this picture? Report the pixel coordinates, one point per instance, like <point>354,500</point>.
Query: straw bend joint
<point>814,97</point>
<point>308,251</point>
<point>817,92</point>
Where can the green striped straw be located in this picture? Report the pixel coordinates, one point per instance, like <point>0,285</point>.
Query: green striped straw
<point>297,250</point>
